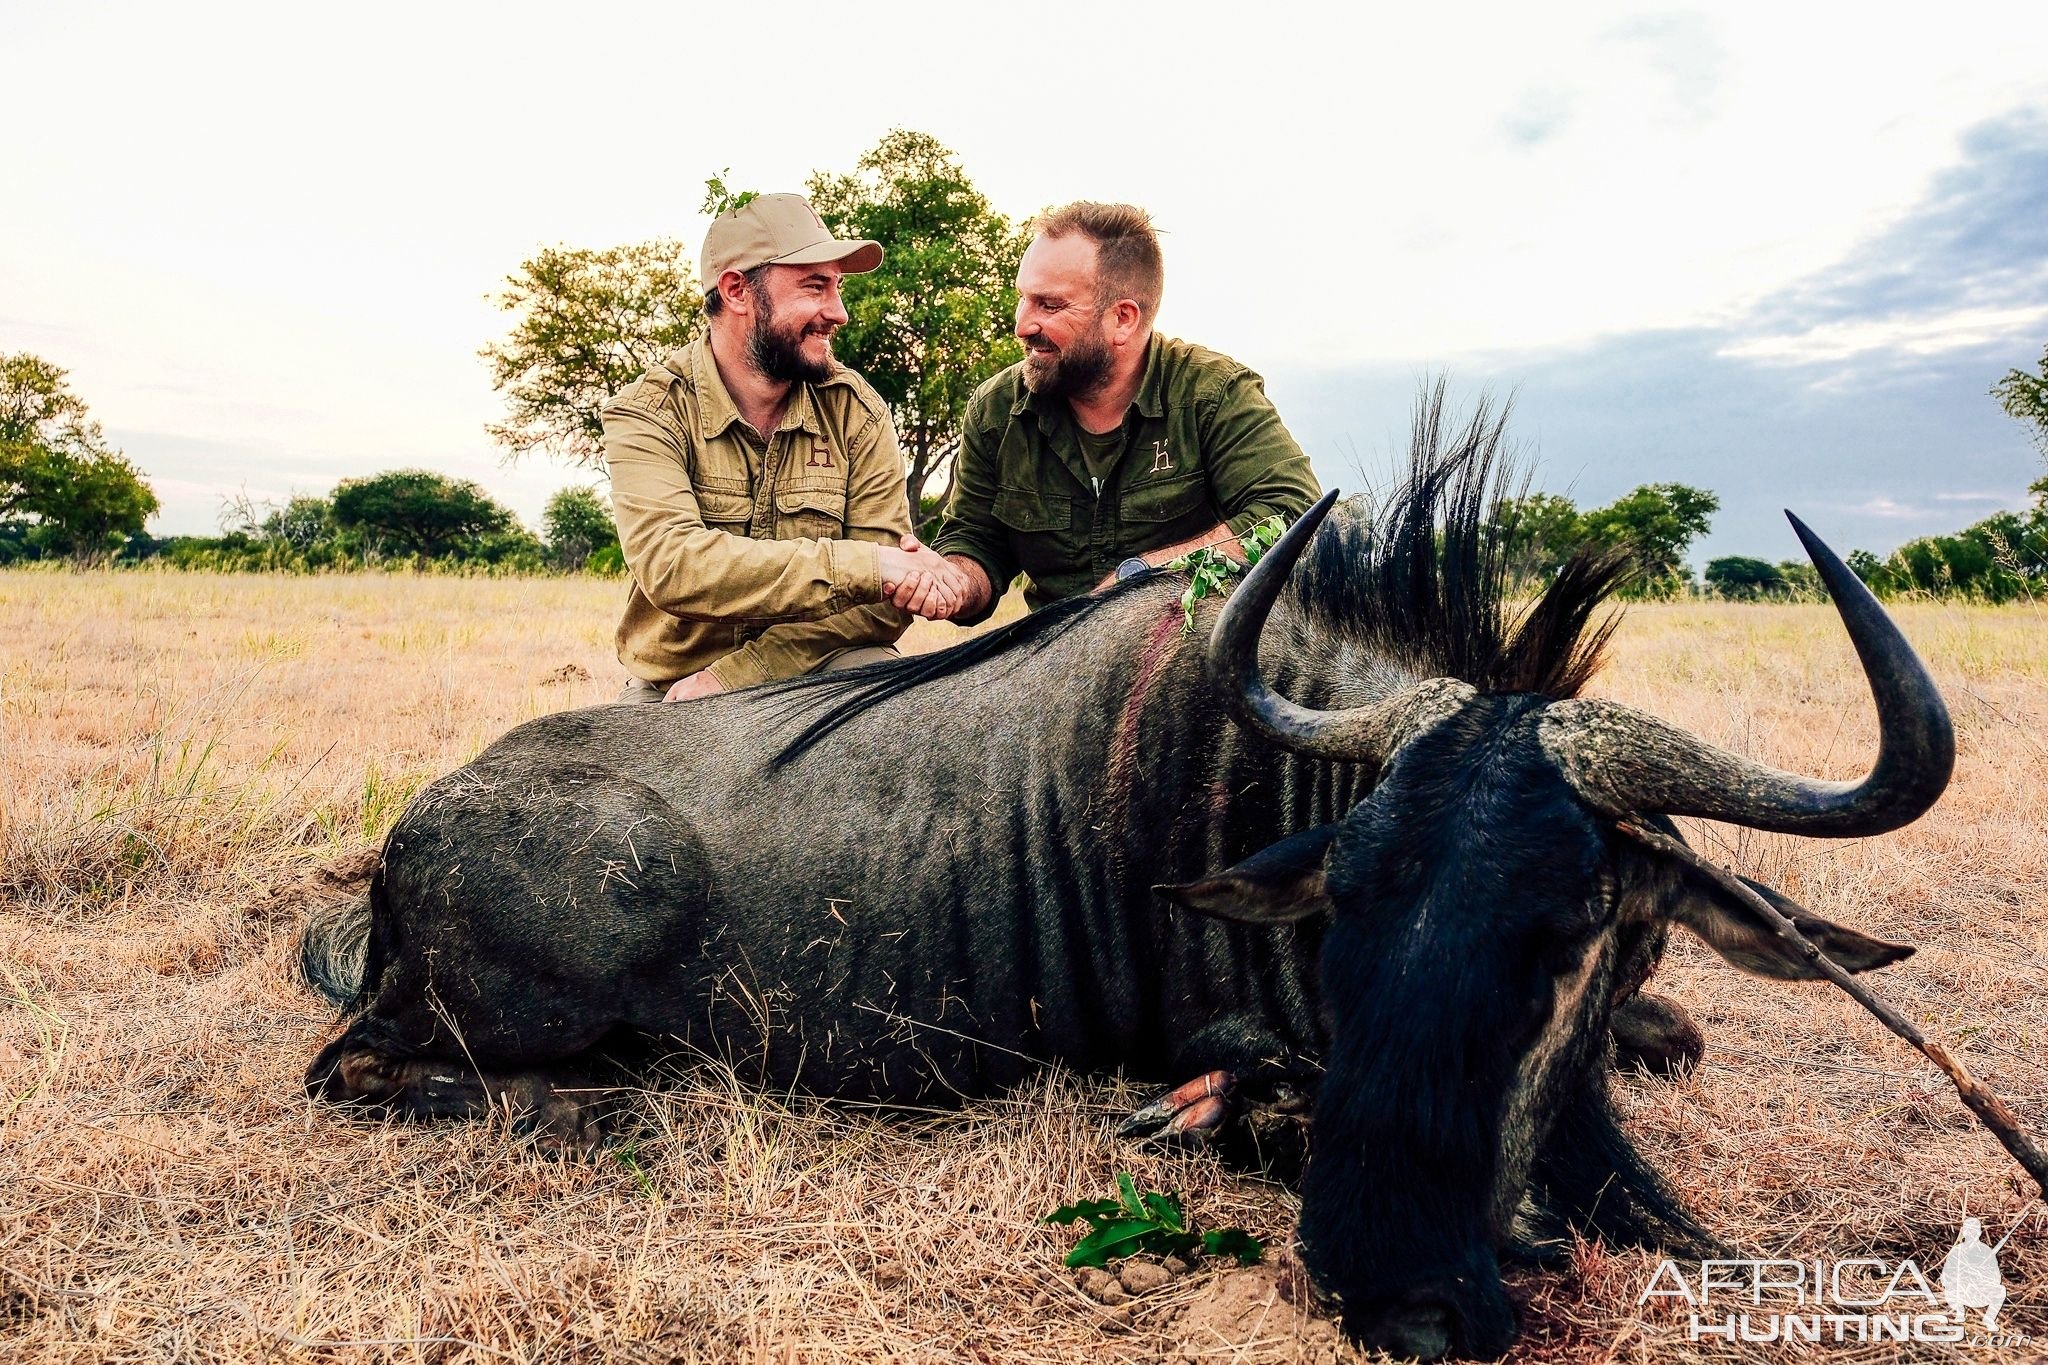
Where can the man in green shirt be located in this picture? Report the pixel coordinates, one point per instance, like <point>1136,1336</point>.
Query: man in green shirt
<point>1108,446</point>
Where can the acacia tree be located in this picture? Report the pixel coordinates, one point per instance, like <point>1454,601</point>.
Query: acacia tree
<point>419,512</point>
<point>1536,533</point>
<point>585,325</point>
<point>55,465</point>
<point>1658,523</point>
<point>935,319</point>
<point>1741,578</point>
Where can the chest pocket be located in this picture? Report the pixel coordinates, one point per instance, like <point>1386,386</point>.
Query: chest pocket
<point>814,513</point>
<point>1163,500</point>
<point>723,510</point>
<point>1024,510</point>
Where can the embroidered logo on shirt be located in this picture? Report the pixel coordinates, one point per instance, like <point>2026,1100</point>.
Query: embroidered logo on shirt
<point>821,458</point>
<point>1162,458</point>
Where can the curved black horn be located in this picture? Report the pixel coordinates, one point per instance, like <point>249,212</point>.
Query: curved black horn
<point>1632,763</point>
<point>1363,734</point>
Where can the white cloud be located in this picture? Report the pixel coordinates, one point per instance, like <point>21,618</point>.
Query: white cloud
<point>1887,508</point>
<point>1921,335</point>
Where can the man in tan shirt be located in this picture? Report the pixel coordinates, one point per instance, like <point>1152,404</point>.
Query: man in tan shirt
<point>757,483</point>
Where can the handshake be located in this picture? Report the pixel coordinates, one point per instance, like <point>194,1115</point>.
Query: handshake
<point>925,583</point>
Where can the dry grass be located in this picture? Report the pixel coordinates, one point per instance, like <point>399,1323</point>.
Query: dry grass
<point>179,755</point>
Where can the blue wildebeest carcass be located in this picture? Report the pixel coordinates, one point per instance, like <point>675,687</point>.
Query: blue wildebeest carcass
<point>1393,844</point>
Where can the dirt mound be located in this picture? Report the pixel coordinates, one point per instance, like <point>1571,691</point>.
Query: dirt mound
<point>1261,1312</point>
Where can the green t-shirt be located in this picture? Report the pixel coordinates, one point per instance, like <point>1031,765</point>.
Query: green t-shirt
<point>1099,452</point>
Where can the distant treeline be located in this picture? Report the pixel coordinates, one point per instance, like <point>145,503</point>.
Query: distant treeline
<point>415,518</point>
<point>2000,559</point>
<point>66,496</point>
<point>404,518</point>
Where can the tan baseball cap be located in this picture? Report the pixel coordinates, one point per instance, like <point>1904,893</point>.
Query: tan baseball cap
<point>778,229</point>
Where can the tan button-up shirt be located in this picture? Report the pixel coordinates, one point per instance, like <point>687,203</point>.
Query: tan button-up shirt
<point>753,559</point>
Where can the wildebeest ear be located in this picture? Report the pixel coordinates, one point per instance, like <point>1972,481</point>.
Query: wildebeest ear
<point>1741,937</point>
<point>1277,885</point>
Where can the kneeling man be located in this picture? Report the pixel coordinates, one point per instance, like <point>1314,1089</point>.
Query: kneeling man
<point>1109,448</point>
<point>757,482</point>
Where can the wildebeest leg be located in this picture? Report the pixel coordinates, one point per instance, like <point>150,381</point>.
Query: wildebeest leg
<point>1199,1106</point>
<point>1652,1033</point>
<point>565,1118</point>
<point>1251,1099</point>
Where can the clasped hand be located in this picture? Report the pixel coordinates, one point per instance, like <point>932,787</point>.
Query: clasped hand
<point>922,581</point>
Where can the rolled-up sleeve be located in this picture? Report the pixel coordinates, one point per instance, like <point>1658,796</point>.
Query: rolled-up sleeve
<point>695,572</point>
<point>1255,468</point>
<point>970,527</point>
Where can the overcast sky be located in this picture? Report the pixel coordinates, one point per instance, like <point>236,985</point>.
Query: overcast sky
<point>1776,250</point>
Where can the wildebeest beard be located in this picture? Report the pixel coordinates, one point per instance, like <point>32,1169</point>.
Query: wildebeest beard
<point>776,353</point>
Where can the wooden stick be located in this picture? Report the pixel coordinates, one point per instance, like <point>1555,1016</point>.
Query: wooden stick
<point>2003,1123</point>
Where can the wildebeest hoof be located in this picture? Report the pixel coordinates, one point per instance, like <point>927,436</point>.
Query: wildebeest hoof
<point>575,1148</point>
<point>1653,1033</point>
<point>564,1130</point>
<point>1196,1109</point>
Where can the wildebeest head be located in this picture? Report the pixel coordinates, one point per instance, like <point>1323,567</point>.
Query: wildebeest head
<point>1480,903</point>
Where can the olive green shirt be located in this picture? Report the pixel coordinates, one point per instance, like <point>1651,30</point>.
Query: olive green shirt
<point>1201,445</point>
<point>755,559</point>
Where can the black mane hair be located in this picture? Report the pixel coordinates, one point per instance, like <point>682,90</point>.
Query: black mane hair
<point>841,696</point>
<point>1424,579</point>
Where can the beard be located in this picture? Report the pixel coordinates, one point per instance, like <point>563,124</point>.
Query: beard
<point>1075,372</point>
<point>777,353</point>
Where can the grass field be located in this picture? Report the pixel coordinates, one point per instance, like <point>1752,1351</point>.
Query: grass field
<point>188,763</point>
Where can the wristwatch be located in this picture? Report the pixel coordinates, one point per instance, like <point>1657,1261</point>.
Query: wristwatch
<point>1131,568</point>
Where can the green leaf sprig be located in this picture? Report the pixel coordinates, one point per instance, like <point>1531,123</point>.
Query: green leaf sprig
<point>1149,1223</point>
<point>1209,569</point>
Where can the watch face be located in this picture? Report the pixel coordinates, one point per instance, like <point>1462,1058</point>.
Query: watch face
<point>1131,568</point>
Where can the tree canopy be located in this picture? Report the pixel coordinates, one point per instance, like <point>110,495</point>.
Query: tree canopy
<point>2002,557</point>
<point>416,511</point>
<point>84,499</point>
<point>38,408</point>
<point>1740,577</point>
<point>1656,523</point>
<point>1537,533</point>
<point>934,320</point>
<point>578,524</point>
<point>585,324</point>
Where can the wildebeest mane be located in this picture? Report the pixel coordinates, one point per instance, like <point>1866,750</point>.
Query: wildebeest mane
<point>838,697</point>
<point>1423,578</point>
